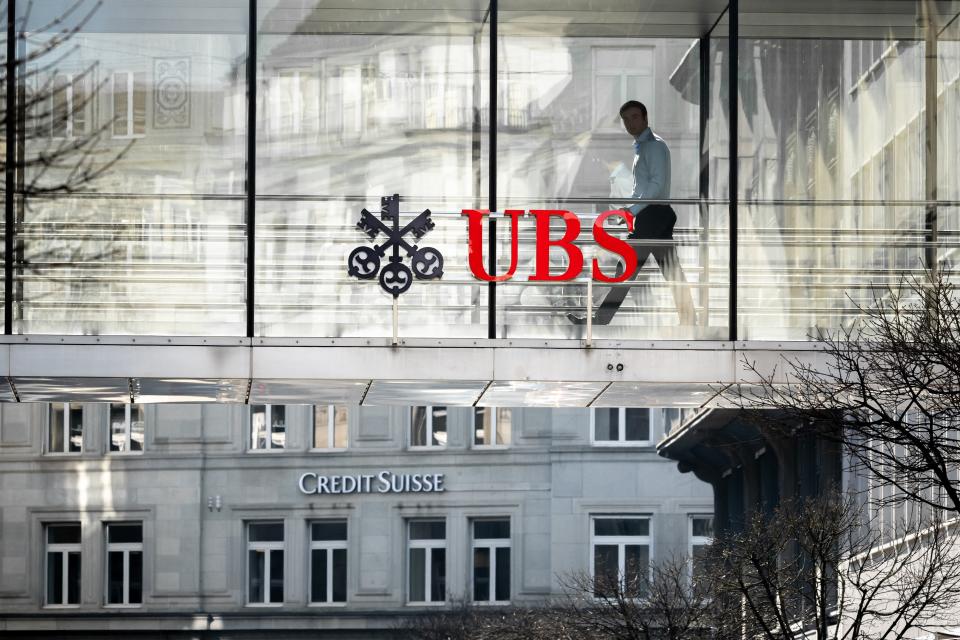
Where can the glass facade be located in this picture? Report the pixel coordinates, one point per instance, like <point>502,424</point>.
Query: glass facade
<point>182,175</point>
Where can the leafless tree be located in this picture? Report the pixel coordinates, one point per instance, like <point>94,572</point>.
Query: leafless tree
<point>819,568</point>
<point>663,603</point>
<point>890,393</point>
<point>464,620</point>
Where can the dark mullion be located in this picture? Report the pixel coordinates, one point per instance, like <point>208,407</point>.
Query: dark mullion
<point>251,221</point>
<point>704,208</point>
<point>733,19</point>
<point>492,177</point>
<point>10,170</point>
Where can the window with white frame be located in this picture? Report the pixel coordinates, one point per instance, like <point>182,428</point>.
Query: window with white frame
<point>126,428</point>
<point>125,563</point>
<point>328,561</point>
<point>268,426</point>
<point>265,563</point>
<point>620,426</point>
<point>129,104</point>
<point>620,555</point>
<point>427,561</point>
<point>329,427</point>
<point>428,426</point>
<point>621,74</point>
<point>63,564</point>
<point>68,106</point>
<point>491,560</point>
<point>65,430</point>
<point>492,426</point>
<point>700,535</point>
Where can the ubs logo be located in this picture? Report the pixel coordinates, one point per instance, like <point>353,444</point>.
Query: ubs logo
<point>395,277</point>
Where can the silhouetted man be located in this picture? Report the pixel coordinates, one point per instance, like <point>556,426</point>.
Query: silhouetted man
<point>651,181</point>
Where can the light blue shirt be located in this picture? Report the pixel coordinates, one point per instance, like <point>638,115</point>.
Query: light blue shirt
<point>651,169</point>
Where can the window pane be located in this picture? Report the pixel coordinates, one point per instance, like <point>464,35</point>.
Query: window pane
<point>276,575</point>
<point>503,575</point>
<point>56,429</point>
<point>120,118</point>
<point>637,425</point>
<point>73,577</point>
<point>63,534</point>
<point>136,577</point>
<point>139,103</point>
<point>482,425</point>
<point>76,427</point>
<point>115,577</point>
<point>438,575</point>
<point>418,427</point>
<point>278,426</point>
<point>703,527</point>
<point>637,560</point>
<point>136,427</point>
<point>329,530</point>
<point>339,575</point>
<point>118,427</point>
<point>605,569</point>
<point>418,574</point>
<point>340,427</point>
<point>621,527</point>
<point>318,575</point>
<point>255,573</point>
<point>60,109</point>
<point>606,424</point>
<point>258,426</point>
<point>439,426</point>
<point>266,532</point>
<point>504,425</point>
<point>124,533</point>
<point>491,529</point>
<point>321,427</point>
<point>428,530</point>
<point>481,574</point>
<point>55,578</point>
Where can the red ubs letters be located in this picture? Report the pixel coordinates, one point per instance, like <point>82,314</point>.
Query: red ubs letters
<point>541,270</point>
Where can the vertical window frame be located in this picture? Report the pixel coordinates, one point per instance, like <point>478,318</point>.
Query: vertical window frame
<point>128,430</point>
<point>495,421</point>
<point>65,407</point>
<point>694,541</point>
<point>265,546</point>
<point>268,423</point>
<point>428,409</point>
<point>621,440</point>
<point>427,545</point>
<point>126,548</point>
<point>129,90</point>
<point>332,411</point>
<point>492,544</point>
<point>621,542</point>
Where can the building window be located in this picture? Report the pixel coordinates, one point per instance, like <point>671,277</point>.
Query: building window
<point>268,426</point>
<point>427,560</point>
<point>65,432</point>
<point>63,564</point>
<point>126,428</point>
<point>621,75</point>
<point>491,560</point>
<point>620,558</point>
<point>265,563</point>
<point>620,426</point>
<point>129,104</point>
<point>700,536</point>
<point>68,105</point>
<point>492,426</point>
<point>328,561</point>
<point>428,427</point>
<point>329,427</point>
<point>125,563</point>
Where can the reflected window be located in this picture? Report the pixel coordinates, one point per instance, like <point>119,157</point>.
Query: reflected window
<point>268,426</point>
<point>129,104</point>
<point>329,427</point>
<point>621,74</point>
<point>620,555</point>
<point>621,426</point>
<point>65,430</point>
<point>328,562</point>
<point>492,426</point>
<point>125,563</point>
<point>427,561</point>
<point>428,427</point>
<point>63,564</point>
<point>265,563</point>
<point>491,560</point>
<point>126,428</point>
<point>68,108</point>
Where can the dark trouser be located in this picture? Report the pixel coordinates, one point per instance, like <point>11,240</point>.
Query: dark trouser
<point>655,222</point>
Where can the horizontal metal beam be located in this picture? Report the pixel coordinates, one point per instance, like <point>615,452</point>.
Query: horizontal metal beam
<point>371,371</point>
